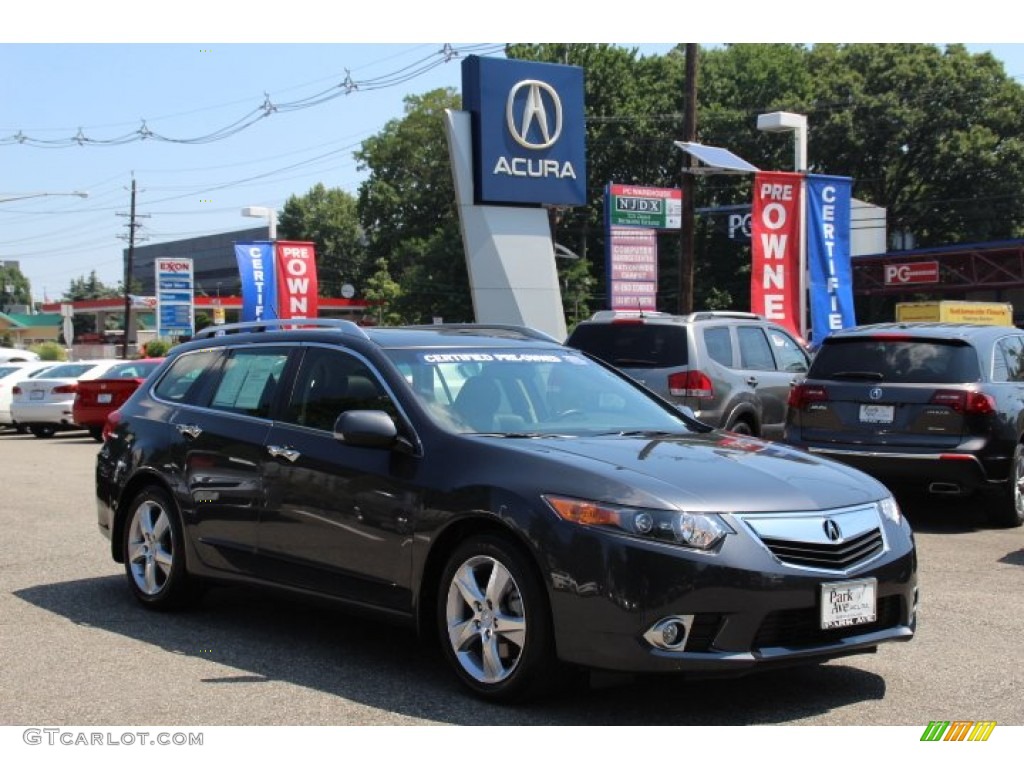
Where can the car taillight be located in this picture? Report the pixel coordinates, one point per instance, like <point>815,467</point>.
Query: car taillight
<point>16,390</point>
<point>65,389</point>
<point>113,419</point>
<point>964,401</point>
<point>803,394</point>
<point>690,384</point>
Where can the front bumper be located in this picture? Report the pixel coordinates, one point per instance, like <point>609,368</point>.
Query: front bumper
<point>746,609</point>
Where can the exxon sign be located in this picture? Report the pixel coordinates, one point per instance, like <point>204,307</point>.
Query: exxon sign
<point>528,131</point>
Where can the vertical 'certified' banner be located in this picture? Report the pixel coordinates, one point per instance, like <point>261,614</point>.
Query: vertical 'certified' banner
<point>259,287</point>
<point>296,280</point>
<point>775,248</point>
<point>828,254</point>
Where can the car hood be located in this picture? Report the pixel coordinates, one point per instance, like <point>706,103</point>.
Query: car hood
<point>715,471</point>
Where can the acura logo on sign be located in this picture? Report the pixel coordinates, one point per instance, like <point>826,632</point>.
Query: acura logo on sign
<point>540,97</point>
<point>832,529</point>
<point>875,393</point>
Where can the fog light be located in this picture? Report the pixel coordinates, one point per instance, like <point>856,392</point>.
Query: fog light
<point>669,633</point>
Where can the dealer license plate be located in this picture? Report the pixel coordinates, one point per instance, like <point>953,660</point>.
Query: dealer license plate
<point>103,397</point>
<point>876,414</point>
<point>848,603</point>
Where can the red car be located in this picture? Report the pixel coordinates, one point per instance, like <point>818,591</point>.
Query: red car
<point>98,398</point>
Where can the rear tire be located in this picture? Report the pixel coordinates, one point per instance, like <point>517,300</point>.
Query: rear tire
<point>1008,510</point>
<point>154,552</point>
<point>494,623</point>
<point>43,431</point>
<point>96,433</point>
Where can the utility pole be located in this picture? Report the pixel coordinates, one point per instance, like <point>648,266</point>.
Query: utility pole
<point>686,240</point>
<point>128,272</point>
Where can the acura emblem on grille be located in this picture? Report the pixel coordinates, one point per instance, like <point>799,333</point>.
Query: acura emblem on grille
<point>832,529</point>
<point>875,393</point>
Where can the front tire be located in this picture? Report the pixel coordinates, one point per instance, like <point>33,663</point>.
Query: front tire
<point>1008,511</point>
<point>153,551</point>
<point>43,431</point>
<point>494,621</point>
<point>96,433</point>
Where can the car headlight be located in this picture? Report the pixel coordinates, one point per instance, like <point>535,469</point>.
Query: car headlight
<point>690,529</point>
<point>890,509</point>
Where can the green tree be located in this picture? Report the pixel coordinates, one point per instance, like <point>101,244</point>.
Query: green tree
<point>91,287</point>
<point>382,291</point>
<point>328,218</point>
<point>407,208</point>
<point>14,287</point>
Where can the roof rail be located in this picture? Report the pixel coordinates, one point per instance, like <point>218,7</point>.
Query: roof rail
<point>491,329</point>
<point>712,314</point>
<point>294,323</point>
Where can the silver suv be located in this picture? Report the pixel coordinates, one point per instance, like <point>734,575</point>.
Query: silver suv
<point>734,370</point>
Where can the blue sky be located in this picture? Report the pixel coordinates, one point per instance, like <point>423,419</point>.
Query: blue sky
<point>73,73</point>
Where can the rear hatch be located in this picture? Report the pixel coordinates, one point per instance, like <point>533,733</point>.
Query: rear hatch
<point>648,352</point>
<point>891,391</point>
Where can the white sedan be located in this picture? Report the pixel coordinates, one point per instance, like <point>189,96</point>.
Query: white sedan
<point>44,404</point>
<point>11,374</point>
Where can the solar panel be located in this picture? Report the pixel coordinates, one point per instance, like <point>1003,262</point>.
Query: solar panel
<point>715,159</point>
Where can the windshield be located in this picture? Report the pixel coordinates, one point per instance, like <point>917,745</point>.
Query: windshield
<point>507,391</point>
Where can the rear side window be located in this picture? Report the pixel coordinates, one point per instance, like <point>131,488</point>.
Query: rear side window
<point>755,354</point>
<point>633,345</point>
<point>718,342</point>
<point>69,371</point>
<point>183,381</point>
<point>918,361</point>
<point>1008,364</point>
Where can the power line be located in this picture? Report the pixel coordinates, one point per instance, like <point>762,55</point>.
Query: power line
<point>347,86</point>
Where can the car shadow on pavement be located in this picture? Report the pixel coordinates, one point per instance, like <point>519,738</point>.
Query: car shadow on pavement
<point>256,636</point>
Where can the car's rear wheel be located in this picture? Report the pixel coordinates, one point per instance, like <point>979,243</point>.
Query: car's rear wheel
<point>153,549</point>
<point>1008,512</point>
<point>494,621</point>
<point>43,431</point>
<point>96,433</point>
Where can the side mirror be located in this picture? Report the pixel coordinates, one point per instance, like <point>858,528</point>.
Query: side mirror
<point>367,429</point>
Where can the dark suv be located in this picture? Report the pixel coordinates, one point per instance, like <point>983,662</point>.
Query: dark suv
<point>932,405</point>
<point>520,503</point>
<point>734,370</point>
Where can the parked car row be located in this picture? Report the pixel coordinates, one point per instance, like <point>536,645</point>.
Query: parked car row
<point>931,406</point>
<point>46,397</point>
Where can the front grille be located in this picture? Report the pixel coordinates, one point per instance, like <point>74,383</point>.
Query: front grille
<point>801,627</point>
<point>839,556</point>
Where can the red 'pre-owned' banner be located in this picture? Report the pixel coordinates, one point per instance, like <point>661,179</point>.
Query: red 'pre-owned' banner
<point>775,246</point>
<point>296,280</point>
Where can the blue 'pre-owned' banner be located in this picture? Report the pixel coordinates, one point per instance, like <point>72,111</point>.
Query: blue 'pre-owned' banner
<point>828,254</point>
<point>259,280</point>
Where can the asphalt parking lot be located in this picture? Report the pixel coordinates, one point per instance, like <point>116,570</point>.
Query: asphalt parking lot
<point>78,648</point>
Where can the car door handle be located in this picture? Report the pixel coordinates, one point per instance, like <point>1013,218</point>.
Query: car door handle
<point>278,451</point>
<point>189,430</point>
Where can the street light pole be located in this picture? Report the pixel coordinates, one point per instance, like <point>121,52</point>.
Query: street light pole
<point>261,212</point>
<point>30,195</point>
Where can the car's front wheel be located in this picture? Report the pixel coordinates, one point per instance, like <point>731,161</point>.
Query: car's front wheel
<point>43,431</point>
<point>1008,512</point>
<point>153,549</point>
<point>494,621</point>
